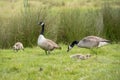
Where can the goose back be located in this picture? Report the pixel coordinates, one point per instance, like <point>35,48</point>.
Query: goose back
<point>95,38</point>
<point>92,41</point>
<point>53,44</point>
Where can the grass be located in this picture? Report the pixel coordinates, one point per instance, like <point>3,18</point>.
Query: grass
<point>25,65</point>
<point>18,22</point>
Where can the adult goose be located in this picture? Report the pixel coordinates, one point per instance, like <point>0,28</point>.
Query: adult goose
<point>89,42</point>
<point>46,44</point>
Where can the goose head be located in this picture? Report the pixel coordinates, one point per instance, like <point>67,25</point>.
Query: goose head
<point>72,45</point>
<point>41,23</point>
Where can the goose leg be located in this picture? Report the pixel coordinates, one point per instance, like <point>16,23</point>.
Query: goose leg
<point>46,52</point>
<point>16,50</point>
<point>93,51</point>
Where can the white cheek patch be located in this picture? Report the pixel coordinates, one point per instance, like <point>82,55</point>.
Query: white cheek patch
<point>42,24</point>
<point>70,47</point>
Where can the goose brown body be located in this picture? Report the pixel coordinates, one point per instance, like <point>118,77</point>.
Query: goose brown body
<point>47,44</point>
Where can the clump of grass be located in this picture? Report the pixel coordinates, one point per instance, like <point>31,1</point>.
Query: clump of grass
<point>64,21</point>
<point>75,23</point>
<point>111,19</point>
<point>22,27</point>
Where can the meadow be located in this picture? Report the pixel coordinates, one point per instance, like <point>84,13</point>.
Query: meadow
<point>34,64</point>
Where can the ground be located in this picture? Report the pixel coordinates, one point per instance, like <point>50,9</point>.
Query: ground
<point>34,64</point>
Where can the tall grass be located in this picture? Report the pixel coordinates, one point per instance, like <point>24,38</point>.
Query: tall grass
<point>24,26</point>
<point>75,23</point>
<point>62,23</point>
<point>21,27</point>
<point>111,19</point>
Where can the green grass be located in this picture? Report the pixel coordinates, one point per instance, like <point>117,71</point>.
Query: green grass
<point>25,65</point>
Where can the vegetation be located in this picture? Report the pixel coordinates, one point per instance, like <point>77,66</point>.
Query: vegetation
<point>34,64</point>
<point>65,20</point>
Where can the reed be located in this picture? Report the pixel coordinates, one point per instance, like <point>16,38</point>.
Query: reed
<point>65,21</point>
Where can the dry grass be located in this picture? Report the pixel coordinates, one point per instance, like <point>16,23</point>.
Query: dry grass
<point>19,18</point>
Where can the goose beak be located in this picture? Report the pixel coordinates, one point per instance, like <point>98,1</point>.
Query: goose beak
<point>39,23</point>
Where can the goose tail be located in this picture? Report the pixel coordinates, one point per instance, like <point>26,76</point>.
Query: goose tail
<point>58,47</point>
<point>107,41</point>
<point>102,43</point>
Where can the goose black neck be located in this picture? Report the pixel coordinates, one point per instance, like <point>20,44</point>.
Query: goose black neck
<point>42,31</point>
<point>74,43</point>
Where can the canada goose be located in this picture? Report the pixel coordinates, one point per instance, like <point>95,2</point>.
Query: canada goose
<point>18,46</point>
<point>44,43</point>
<point>89,42</point>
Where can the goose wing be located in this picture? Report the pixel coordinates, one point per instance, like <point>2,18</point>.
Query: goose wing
<point>88,42</point>
<point>95,38</point>
<point>52,43</point>
<point>92,41</point>
<point>46,45</point>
